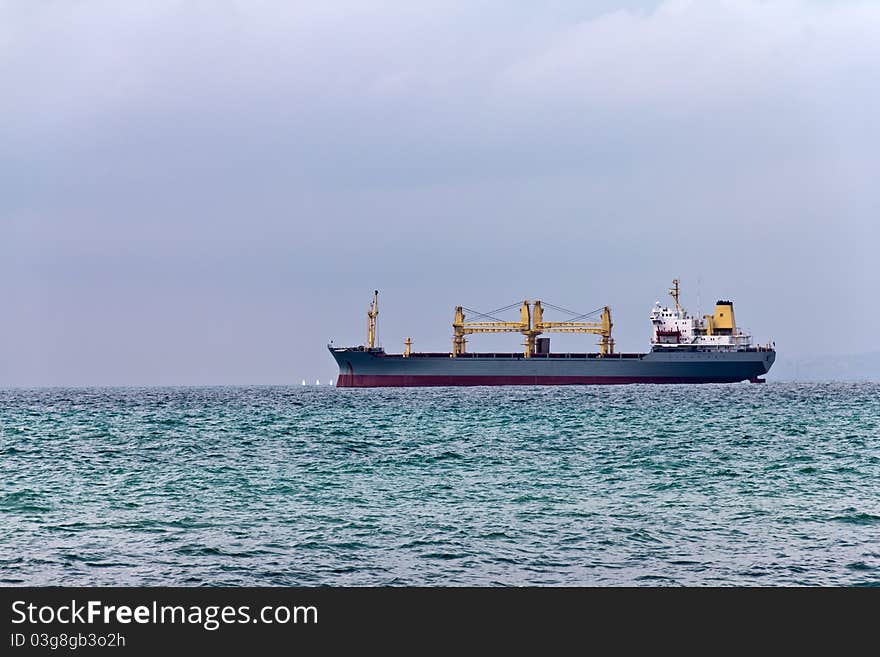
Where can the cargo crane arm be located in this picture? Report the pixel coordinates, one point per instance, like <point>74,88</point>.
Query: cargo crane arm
<point>372,314</point>
<point>462,328</point>
<point>601,328</point>
<point>531,325</point>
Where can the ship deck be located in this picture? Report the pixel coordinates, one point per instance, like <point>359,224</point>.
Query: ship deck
<point>507,355</point>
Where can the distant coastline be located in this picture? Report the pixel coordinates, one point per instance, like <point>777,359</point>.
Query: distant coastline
<point>847,367</point>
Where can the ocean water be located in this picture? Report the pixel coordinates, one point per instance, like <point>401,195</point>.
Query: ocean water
<point>775,484</point>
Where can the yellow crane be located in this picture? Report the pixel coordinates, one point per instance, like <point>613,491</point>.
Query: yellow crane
<point>601,328</point>
<point>461,328</point>
<point>372,314</point>
<point>531,325</point>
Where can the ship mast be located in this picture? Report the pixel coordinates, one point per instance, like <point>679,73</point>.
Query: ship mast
<point>372,313</point>
<point>673,291</point>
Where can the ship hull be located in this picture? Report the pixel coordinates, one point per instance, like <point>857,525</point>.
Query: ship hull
<point>360,368</point>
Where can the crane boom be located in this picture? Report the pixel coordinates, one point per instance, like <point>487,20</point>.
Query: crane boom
<point>372,314</point>
<point>531,325</point>
<point>601,328</point>
<point>461,328</point>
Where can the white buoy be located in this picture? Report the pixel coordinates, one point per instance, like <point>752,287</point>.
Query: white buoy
<point>317,382</point>
<point>330,382</point>
<point>304,381</point>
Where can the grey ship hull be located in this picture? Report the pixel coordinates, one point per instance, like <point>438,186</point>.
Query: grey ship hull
<point>367,368</point>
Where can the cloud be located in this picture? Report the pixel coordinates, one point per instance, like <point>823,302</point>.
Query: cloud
<point>350,91</point>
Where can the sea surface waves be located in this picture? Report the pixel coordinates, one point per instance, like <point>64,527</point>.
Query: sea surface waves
<point>773,484</point>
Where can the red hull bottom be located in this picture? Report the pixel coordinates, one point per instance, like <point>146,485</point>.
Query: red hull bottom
<point>399,381</point>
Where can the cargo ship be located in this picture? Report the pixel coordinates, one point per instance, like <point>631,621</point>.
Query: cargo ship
<point>684,349</point>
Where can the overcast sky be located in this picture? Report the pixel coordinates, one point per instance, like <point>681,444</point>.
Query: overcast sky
<point>207,192</point>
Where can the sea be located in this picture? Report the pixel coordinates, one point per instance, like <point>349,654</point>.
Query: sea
<point>635,485</point>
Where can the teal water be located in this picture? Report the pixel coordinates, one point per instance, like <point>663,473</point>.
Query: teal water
<point>775,484</point>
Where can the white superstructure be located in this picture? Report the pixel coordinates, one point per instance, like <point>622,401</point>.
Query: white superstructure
<point>674,328</point>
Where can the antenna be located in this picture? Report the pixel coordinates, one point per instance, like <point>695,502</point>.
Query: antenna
<point>699,296</point>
